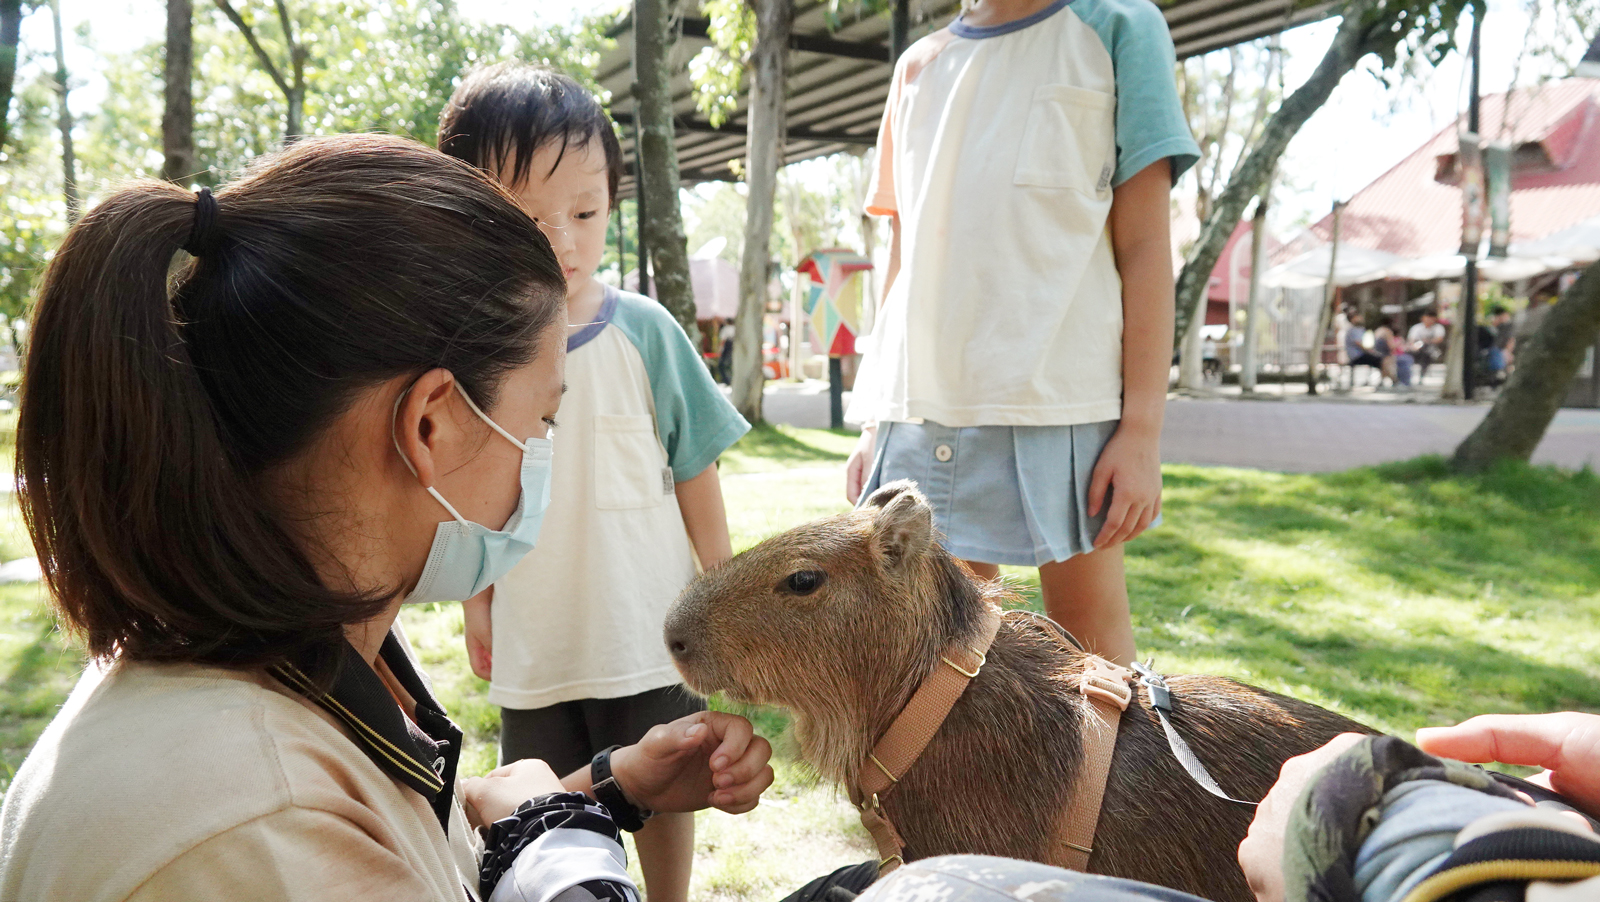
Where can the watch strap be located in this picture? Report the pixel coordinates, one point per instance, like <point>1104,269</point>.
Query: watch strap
<point>624,813</point>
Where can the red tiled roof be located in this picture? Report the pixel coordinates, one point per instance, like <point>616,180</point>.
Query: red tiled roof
<point>1406,212</point>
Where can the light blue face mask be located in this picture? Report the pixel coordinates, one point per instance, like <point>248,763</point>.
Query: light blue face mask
<point>468,557</point>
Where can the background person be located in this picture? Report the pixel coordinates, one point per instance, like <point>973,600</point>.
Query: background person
<point>1426,340</point>
<point>636,498</point>
<point>235,472</point>
<point>1017,371</point>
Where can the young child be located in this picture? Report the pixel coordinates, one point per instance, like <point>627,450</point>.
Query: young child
<point>1018,368</point>
<point>635,498</point>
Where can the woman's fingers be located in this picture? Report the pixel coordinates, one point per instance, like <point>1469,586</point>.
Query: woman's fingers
<point>733,735</point>
<point>745,796</point>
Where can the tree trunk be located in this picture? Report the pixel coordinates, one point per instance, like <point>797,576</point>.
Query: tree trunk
<point>1545,367</point>
<point>763,155</point>
<point>69,160</point>
<point>663,226</point>
<point>177,122</point>
<point>10,34</point>
<point>1347,49</point>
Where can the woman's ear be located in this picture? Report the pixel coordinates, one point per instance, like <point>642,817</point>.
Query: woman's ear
<point>420,418</point>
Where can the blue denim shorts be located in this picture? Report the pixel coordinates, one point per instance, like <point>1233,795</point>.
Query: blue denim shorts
<point>1000,494</point>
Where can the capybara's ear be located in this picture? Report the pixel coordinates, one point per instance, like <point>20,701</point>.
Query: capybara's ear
<point>903,525</point>
<point>893,490</point>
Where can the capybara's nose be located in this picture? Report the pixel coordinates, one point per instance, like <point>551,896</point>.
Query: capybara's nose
<point>677,641</point>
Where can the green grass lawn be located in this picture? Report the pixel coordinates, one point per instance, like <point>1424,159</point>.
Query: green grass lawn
<point>1401,595</point>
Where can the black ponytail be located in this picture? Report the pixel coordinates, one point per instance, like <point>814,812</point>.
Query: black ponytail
<point>159,388</point>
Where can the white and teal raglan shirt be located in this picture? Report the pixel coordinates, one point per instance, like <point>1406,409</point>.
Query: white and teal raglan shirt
<point>999,151</point>
<point>581,615</point>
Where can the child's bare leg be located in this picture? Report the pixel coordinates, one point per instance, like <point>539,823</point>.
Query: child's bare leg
<point>983,571</point>
<point>1088,594</point>
<point>666,854</point>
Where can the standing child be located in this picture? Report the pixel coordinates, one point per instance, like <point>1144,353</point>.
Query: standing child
<point>1018,368</point>
<point>571,639</point>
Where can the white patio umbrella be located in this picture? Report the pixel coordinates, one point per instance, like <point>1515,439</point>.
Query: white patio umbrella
<point>1310,270</point>
<point>1575,244</point>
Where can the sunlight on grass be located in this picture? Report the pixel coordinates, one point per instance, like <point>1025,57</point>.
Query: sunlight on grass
<point>1400,595</point>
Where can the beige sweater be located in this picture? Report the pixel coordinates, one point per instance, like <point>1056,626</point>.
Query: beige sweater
<point>179,782</point>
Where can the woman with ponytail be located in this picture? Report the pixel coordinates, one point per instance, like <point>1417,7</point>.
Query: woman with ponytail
<point>253,425</point>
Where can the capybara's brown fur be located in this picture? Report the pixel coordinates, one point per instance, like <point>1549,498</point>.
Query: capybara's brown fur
<point>840,620</point>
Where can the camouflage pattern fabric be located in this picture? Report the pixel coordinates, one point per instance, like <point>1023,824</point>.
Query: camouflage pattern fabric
<point>1337,811</point>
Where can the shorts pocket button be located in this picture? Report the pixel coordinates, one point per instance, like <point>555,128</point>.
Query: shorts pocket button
<point>943,453</point>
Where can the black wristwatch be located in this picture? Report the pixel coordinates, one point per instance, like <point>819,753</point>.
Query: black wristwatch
<point>624,813</point>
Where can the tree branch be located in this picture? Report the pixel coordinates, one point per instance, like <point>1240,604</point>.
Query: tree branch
<point>297,53</point>
<point>255,45</point>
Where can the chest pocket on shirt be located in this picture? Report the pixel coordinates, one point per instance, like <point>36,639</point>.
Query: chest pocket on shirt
<point>627,462</point>
<point>1069,141</point>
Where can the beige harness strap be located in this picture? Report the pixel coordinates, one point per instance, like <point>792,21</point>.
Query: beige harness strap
<point>912,730</point>
<point>1106,685</point>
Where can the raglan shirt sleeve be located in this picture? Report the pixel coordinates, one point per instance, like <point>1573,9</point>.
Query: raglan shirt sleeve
<point>1151,125</point>
<point>693,420</point>
<point>880,189</point>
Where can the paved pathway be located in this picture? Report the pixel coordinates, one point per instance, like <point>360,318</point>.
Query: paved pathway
<point>1295,434</point>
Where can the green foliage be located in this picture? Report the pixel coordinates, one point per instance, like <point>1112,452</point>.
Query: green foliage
<point>374,66</point>
<point>32,212</point>
<point>717,71</point>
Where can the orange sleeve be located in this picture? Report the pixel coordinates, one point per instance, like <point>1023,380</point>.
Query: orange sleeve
<point>880,190</point>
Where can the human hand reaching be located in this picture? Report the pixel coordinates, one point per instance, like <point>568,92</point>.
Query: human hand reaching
<point>859,466</point>
<point>1129,470</point>
<point>709,759</point>
<point>478,633</point>
<point>497,794</point>
<point>1261,853</point>
<point>1566,745</point>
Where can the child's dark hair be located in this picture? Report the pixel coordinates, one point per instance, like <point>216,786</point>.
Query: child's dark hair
<point>160,392</point>
<point>501,115</point>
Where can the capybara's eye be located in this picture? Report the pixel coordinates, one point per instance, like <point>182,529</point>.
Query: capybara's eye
<point>804,582</point>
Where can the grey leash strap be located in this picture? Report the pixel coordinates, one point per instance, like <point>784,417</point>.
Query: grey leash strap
<point>1161,700</point>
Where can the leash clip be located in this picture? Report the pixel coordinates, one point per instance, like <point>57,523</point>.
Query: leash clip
<point>1160,695</point>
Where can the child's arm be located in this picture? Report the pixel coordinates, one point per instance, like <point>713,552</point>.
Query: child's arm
<point>859,466</point>
<point>478,635</point>
<point>1131,461</point>
<point>705,518</point>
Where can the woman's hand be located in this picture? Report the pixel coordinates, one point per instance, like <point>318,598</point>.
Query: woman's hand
<point>479,634</point>
<point>1129,469</point>
<point>859,466</point>
<point>494,796</point>
<point>1566,745</point>
<point>706,759</point>
<point>1261,853</point>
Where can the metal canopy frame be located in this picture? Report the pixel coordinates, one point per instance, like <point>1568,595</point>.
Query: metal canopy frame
<point>839,76</point>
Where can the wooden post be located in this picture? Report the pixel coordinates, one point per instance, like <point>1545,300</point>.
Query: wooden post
<point>1252,310</point>
<point>1330,293</point>
<point>763,156</point>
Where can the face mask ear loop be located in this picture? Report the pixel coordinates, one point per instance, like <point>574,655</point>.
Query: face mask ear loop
<point>394,436</point>
<point>521,445</point>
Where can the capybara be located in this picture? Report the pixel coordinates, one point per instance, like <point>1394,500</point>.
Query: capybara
<point>841,619</point>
